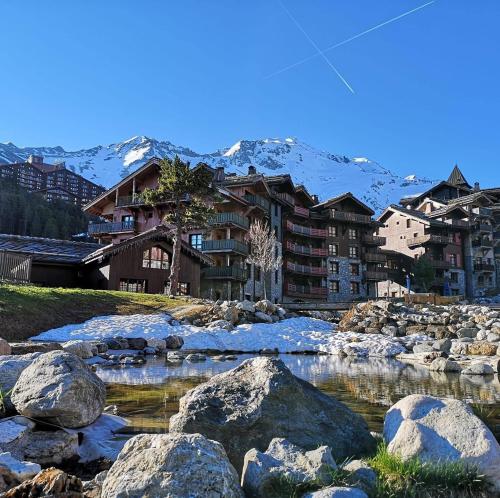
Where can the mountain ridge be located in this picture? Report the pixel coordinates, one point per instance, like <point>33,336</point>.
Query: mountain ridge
<point>322,172</point>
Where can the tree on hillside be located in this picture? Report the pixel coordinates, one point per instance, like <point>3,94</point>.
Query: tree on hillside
<point>424,273</point>
<point>263,252</point>
<point>188,191</point>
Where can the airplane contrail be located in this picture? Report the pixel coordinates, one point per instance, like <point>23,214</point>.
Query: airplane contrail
<point>318,50</point>
<point>347,40</point>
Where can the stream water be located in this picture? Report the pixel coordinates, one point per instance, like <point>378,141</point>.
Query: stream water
<point>148,395</point>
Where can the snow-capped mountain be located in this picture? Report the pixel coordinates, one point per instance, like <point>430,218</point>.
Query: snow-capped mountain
<point>321,172</point>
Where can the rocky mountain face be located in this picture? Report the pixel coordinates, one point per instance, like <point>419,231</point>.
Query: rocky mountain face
<point>322,172</point>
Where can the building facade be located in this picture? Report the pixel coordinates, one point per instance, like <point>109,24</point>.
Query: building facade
<point>53,181</point>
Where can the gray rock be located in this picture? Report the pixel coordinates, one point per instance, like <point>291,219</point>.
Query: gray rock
<point>159,344</point>
<point>117,343</point>
<point>246,305</point>
<point>82,349</point>
<point>282,460</point>
<point>171,466</point>
<point>23,348</point>
<point>266,306</point>
<point>175,357</point>
<point>137,343</point>
<point>444,365</point>
<point>425,347</point>
<point>14,471</point>
<point>221,324</point>
<point>174,342</point>
<point>478,369</point>
<point>263,317</point>
<point>442,345</point>
<point>434,429</point>
<point>459,347</point>
<point>101,346</point>
<point>261,399</point>
<point>389,330</point>
<point>492,337</point>
<point>337,492</point>
<point>467,332</point>
<point>196,357</point>
<point>60,388</point>
<point>361,476</point>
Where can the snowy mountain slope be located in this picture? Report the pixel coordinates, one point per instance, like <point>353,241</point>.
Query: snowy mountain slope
<point>321,172</point>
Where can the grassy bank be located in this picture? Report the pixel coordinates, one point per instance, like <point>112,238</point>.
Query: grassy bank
<point>28,310</point>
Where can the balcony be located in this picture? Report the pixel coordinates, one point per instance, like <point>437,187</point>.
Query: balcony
<point>306,291</point>
<point>429,239</point>
<point>376,275</point>
<point>230,219</point>
<point>283,196</point>
<point>257,200</point>
<point>482,243</point>
<point>374,240</point>
<point>481,211</point>
<point>130,200</point>
<point>483,227</point>
<point>374,257</point>
<point>306,269</point>
<point>224,245</point>
<point>306,250</point>
<point>440,263</point>
<point>115,227</point>
<point>351,217</point>
<point>459,224</point>
<point>225,273</point>
<point>307,231</point>
<point>484,266</point>
<point>300,211</point>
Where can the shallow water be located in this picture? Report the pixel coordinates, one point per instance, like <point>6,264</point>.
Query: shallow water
<point>148,395</point>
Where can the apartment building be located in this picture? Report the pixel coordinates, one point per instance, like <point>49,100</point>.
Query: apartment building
<point>53,181</point>
<point>456,226</point>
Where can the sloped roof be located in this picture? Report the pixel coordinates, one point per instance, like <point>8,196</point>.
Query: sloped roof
<point>457,178</point>
<point>48,250</point>
<point>467,199</point>
<point>341,197</point>
<point>413,213</point>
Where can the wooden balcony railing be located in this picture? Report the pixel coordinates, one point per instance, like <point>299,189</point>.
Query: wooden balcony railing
<point>130,200</point>
<point>300,211</point>
<point>429,239</point>
<point>308,231</point>
<point>234,219</point>
<point>306,269</point>
<point>306,291</point>
<point>285,198</point>
<point>114,227</point>
<point>376,275</point>
<point>374,257</point>
<point>374,240</point>
<point>225,273</point>
<point>461,224</point>
<point>439,263</point>
<point>306,250</point>
<point>489,267</point>
<point>258,200</point>
<point>224,245</point>
<point>482,242</point>
<point>352,217</point>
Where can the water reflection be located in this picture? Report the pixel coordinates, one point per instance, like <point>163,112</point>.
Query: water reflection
<point>148,395</point>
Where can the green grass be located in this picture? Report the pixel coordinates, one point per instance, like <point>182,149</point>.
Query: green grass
<point>416,479</point>
<point>27,310</point>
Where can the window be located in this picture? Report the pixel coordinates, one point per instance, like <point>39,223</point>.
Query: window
<point>353,233</point>
<point>276,277</point>
<point>354,269</point>
<point>196,240</point>
<point>354,287</point>
<point>256,273</point>
<point>155,257</point>
<point>333,286</point>
<point>408,223</point>
<point>332,230</point>
<point>334,267</point>
<point>133,285</point>
<point>453,260</point>
<point>183,288</point>
<point>454,277</point>
<point>353,251</point>
<point>333,249</point>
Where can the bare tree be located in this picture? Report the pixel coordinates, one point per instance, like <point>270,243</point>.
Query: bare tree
<point>263,253</point>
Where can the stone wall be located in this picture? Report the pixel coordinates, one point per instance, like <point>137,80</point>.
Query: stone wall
<point>345,278</point>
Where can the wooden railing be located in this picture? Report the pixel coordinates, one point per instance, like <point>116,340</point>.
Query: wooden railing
<point>374,240</point>
<point>230,219</point>
<point>374,257</point>
<point>353,217</point>
<point>130,200</point>
<point>376,275</point>
<point>306,269</point>
<point>306,291</point>
<point>458,223</point>
<point>224,245</point>
<point>306,250</point>
<point>429,239</point>
<point>285,197</point>
<point>300,211</point>
<point>15,268</point>
<point>225,272</point>
<point>484,267</point>
<point>311,232</point>
<point>257,200</point>
<point>114,227</point>
<point>439,263</point>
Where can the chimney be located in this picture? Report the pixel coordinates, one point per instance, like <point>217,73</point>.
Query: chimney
<point>476,187</point>
<point>252,170</point>
<point>219,174</point>
<point>315,199</point>
<point>32,159</point>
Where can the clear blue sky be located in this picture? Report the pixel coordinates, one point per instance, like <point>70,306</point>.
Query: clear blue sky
<point>85,72</point>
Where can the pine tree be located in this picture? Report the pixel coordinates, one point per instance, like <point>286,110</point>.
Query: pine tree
<point>424,273</point>
<point>188,191</point>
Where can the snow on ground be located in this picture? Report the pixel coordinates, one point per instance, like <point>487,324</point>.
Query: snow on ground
<point>291,335</point>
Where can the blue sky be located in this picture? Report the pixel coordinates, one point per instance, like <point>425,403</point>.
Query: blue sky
<point>85,72</point>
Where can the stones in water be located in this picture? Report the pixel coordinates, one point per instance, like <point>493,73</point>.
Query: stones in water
<point>34,347</point>
<point>262,472</point>
<point>478,369</point>
<point>444,365</point>
<point>171,466</point>
<point>82,349</point>
<point>196,357</point>
<point>137,343</point>
<point>174,342</point>
<point>116,343</point>
<point>248,406</point>
<point>60,388</point>
<point>434,429</point>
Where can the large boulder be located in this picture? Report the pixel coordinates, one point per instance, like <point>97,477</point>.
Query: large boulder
<point>482,348</point>
<point>283,460</point>
<point>34,347</point>
<point>19,437</point>
<point>4,347</point>
<point>82,349</point>
<point>14,471</point>
<point>434,429</point>
<point>266,306</point>
<point>261,399</point>
<point>246,306</point>
<point>337,492</point>
<point>171,466</point>
<point>174,342</point>
<point>60,388</point>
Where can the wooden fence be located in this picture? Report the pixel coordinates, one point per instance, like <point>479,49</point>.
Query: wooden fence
<point>430,298</point>
<point>15,267</point>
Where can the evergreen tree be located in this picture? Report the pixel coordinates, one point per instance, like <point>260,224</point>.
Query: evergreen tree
<point>188,191</point>
<point>424,273</point>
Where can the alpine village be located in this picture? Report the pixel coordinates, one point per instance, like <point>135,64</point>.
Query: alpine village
<point>195,332</point>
